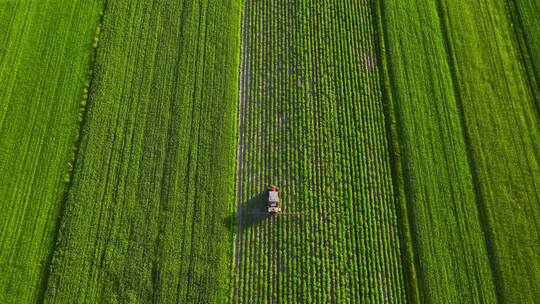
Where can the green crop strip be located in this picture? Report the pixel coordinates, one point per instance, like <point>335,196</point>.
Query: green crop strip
<point>397,162</point>
<point>451,260</point>
<point>312,122</point>
<point>45,55</point>
<point>146,216</point>
<point>465,105</point>
<point>502,127</point>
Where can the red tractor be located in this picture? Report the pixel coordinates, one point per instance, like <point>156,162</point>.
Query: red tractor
<point>272,200</point>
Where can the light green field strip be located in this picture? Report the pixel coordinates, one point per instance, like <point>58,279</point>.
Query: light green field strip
<point>313,124</point>
<point>503,131</point>
<point>145,220</point>
<point>452,263</point>
<point>45,54</point>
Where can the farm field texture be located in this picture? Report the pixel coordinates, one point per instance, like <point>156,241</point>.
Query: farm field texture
<point>138,138</point>
<point>311,121</point>
<point>41,89</point>
<point>154,181</point>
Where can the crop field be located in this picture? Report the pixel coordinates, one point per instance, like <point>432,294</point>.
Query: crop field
<point>477,153</point>
<point>501,123</point>
<point>145,219</point>
<point>449,245</point>
<point>311,121</point>
<point>138,140</point>
<point>40,94</point>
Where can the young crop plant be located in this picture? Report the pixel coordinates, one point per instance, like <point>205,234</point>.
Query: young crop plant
<point>526,24</point>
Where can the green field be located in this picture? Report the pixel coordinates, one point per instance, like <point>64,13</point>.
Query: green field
<point>480,140</point>
<point>45,55</point>
<point>138,138</point>
<point>153,185</point>
<point>450,252</point>
<point>501,127</point>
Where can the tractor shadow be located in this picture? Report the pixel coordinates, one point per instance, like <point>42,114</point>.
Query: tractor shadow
<point>253,213</point>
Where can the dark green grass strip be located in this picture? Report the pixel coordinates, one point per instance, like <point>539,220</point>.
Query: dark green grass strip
<point>479,199</point>
<point>145,219</point>
<point>68,179</point>
<point>45,55</point>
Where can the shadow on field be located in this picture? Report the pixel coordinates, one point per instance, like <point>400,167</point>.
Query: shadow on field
<point>253,213</point>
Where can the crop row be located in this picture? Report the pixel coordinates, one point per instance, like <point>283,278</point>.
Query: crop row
<point>314,125</point>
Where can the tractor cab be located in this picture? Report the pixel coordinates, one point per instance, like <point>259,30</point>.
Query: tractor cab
<point>273,200</point>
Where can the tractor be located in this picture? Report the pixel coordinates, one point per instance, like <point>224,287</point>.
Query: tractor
<point>272,200</point>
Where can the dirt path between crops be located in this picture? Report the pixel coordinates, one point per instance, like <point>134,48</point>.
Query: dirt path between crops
<point>243,79</point>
